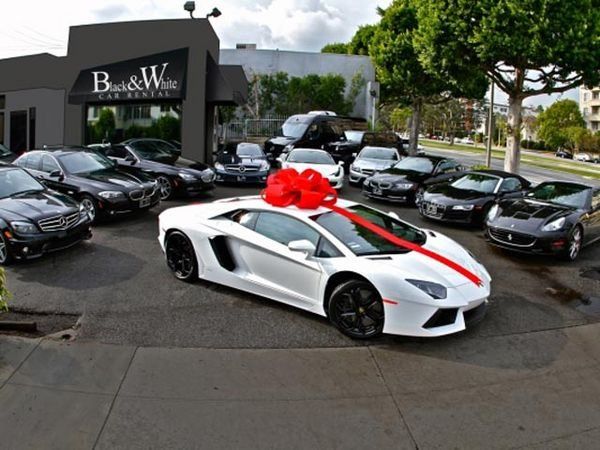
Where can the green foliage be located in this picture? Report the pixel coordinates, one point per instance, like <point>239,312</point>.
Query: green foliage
<point>533,145</point>
<point>479,167</point>
<point>359,45</point>
<point>336,47</point>
<point>581,139</point>
<point>105,125</point>
<point>555,122</point>
<point>399,118</point>
<point>168,128</point>
<point>5,295</point>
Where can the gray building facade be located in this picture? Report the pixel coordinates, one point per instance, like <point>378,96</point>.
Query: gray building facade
<point>131,68</point>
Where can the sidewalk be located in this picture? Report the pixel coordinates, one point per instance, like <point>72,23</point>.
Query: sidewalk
<point>535,389</point>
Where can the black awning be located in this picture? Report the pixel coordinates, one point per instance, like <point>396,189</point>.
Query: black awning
<point>226,85</point>
<point>161,76</point>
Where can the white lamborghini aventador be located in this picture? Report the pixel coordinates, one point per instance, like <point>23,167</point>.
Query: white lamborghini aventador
<point>320,261</point>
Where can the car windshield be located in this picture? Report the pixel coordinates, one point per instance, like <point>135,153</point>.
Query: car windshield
<point>85,162</point>
<point>249,150</point>
<point>294,127</point>
<point>4,151</point>
<point>17,181</point>
<point>565,194</point>
<point>310,157</point>
<point>477,182</point>
<point>421,165</point>
<point>378,153</point>
<point>360,240</point>
<point>354,136</point>
<point>148,150</point>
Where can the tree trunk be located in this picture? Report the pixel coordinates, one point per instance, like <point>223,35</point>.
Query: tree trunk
<point>415,124</point>
<point>512,157</point>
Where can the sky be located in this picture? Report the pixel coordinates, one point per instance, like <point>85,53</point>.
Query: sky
<point>36,26</point>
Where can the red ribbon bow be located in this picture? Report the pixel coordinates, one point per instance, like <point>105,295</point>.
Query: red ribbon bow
<point>310,190</point>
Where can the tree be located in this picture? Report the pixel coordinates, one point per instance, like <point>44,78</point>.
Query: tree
<point>336,47</point>
<point>527,47</point>
<point>402,76</point>
<point>359,45</point>
<point>555,122</point>
<point>105,126</point>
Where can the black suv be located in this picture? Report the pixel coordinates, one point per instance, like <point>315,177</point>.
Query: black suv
<point>92,179</point>
<point>354,141</point>
<point>34,220</point>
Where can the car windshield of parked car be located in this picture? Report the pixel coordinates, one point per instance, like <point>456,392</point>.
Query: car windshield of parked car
<point>17,181</point>
<point>564,194</point>
<point>163,146</point>
<point>310,157</point>
<point>486,184</point>
<point>85,162</point>
<point>147,150</point>
<point>249,151</point>
<point>353,136</point>
<point>4,151</point>
<point>378,153</point>
<point>421,165</point>
<point>362,241</point>
<point>294,127</point>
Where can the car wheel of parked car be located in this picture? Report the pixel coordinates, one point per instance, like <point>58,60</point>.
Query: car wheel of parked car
<point>356,309</point>
<point>166,187</point>
<point>89,206</point>
<point>181,257</point>
<point>574,243</point>
<point>419,195</point>
<point>5,256</point>
<point>485,212</point>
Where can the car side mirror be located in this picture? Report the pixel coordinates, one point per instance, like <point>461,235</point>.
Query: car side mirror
<point>55,174</point>
<point>130,158</point>
<point>341,163</point>
<point>304,246</point>
<point>393,215</point>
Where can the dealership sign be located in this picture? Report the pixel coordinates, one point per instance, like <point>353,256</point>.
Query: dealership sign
<point>156,77</point>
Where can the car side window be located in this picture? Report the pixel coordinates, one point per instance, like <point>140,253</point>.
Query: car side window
<point>448,166</point>
<point>33,162</point>
<point>511,185</point>
<point>326,249</point>
<point>596,200</point>
<point>116,151</point>
<point>245,218</point>
<point>284,229</point>
<point>22,161</point>
<point>49,165</point>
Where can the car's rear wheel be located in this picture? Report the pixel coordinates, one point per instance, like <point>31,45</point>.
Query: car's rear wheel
<point>181,257</point>
<point>5,255</point>
<point>574,244</point>
<point>165,186</point>
<point>356,309</point>
<point>90,207</point>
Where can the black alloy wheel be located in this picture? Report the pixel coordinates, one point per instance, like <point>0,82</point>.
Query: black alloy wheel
<point>574,244</point>
<point>181,257</point>
<point>356,309</point>
<point>5,256</point>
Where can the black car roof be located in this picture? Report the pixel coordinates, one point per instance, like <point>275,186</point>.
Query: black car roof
<point>432,158</point>
<point>500,173</point>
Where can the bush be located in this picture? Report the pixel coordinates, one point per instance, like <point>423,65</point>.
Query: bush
<point>479,167</point>
<point>5,295</point>
<point>533,145</point>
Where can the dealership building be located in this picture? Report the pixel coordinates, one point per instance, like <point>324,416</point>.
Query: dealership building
<point>156,78</point>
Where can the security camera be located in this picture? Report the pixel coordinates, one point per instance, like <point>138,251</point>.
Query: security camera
<point>214,13</point>
<point>190,7</point>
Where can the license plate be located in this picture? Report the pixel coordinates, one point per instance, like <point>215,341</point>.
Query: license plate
<point>145,202</point>
<point>377,191</point>
<point>432,209</point>
<point>241,178</point>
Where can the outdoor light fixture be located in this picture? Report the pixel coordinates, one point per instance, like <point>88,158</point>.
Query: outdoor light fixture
<point>214,13</point>
<point>190,7</point>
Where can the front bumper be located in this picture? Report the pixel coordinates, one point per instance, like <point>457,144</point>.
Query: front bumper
<point>259,177</point>
<point>391,194</point>
<point>115,207</point>
<point>336,182</point>
<point>189,188</point>
<point>35,245</point>
<point>554,243</point>
<point>445,213</point>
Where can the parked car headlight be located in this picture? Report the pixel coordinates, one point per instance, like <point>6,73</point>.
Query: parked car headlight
<point>493,212</point>
<point>403,185</point>
<point>555,225</point>
<point>463,207</point>
<point>208,176</point>
<point>355,168</point>
<point>219,166</point>
<point>337,173</point>
<point>21,227</point>
<point>434,290</point>
<point>109,195</point>
<point>265,165</point>
<point>186,176</point>
<point>367,182</point>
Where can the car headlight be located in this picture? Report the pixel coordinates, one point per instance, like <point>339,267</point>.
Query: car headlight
<point>219,166</point>
<point>367,182</point>
<point>108,195</point>
<point>265,165</point>
<point>404,186</point>
<point>355,168</point>
<point>208,176</point>
<point>555,225</point>
<point>337,173</point>
<point>434,290</point>
<point>21,227</point>
<point>186,176</point>
<point>463,207</point>
<point>493,212</point>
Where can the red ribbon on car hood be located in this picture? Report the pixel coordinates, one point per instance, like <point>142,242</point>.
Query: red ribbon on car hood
<point>310,190</point>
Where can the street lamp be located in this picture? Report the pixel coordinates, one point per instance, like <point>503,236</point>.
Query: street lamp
<point>214,13</point>
<point>190,7</point>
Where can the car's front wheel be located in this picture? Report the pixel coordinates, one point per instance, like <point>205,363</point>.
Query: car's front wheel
<point>5,255</point>
<point>574,244</point>
<point>181,257</point>
<point>419,196</point>
<point>165,185</point>
<point>356,309</point>
<point>90,207</point>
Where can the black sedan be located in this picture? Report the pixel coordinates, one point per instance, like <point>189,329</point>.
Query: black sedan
<point>468,199</point>
<point>555,218</point>
<point>407,180</point>
<point>148,144</point>
<point>33,220</point>
<point>172,180</point>
<point>242,163</point>
<point>92,179</point>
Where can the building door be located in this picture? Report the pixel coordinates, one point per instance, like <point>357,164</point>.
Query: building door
<point>18,131</point>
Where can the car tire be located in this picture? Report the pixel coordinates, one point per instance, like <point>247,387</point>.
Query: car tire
<point>166,187</point>
<point>6,257</point>
<point>419,196</point>
<point>356,309</point>
<point>90,206</point>
<point>181,257</point>
<point>484,214</point>
<point>574,244</point>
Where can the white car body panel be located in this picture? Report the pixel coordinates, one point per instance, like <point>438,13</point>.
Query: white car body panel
<point>333,172</point>
<point>267,268</point>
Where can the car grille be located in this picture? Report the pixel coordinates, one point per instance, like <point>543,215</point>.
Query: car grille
<point>368,171</point>
<point>139,194</point>
<point>240,169</point>
<point>381,184</point>
<point>512,238</point>
<point>58,223</point>
<point>431,209</point>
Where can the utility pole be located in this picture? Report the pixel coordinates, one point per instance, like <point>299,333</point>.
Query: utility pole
<point>488,149</point>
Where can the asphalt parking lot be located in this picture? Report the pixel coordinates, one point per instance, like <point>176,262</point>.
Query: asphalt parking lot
<point>120,286</point>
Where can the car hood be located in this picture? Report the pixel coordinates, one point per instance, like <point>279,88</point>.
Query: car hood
<point>324,169</point>
<point>282,140</point>
<point>414,265</point>
<point>394,175</point>
<point>444,194</point>
<point>528,215</point>
<point>373,164</point>
<point>36,206</point>
<point>111,179</point>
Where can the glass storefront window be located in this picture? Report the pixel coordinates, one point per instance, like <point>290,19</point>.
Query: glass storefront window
<point>116,123</point>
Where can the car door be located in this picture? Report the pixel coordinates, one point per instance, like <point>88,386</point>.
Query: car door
<point>594,217</point>
<point>48,170</point>
<point>446,170</point>
<point>260,243</point>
